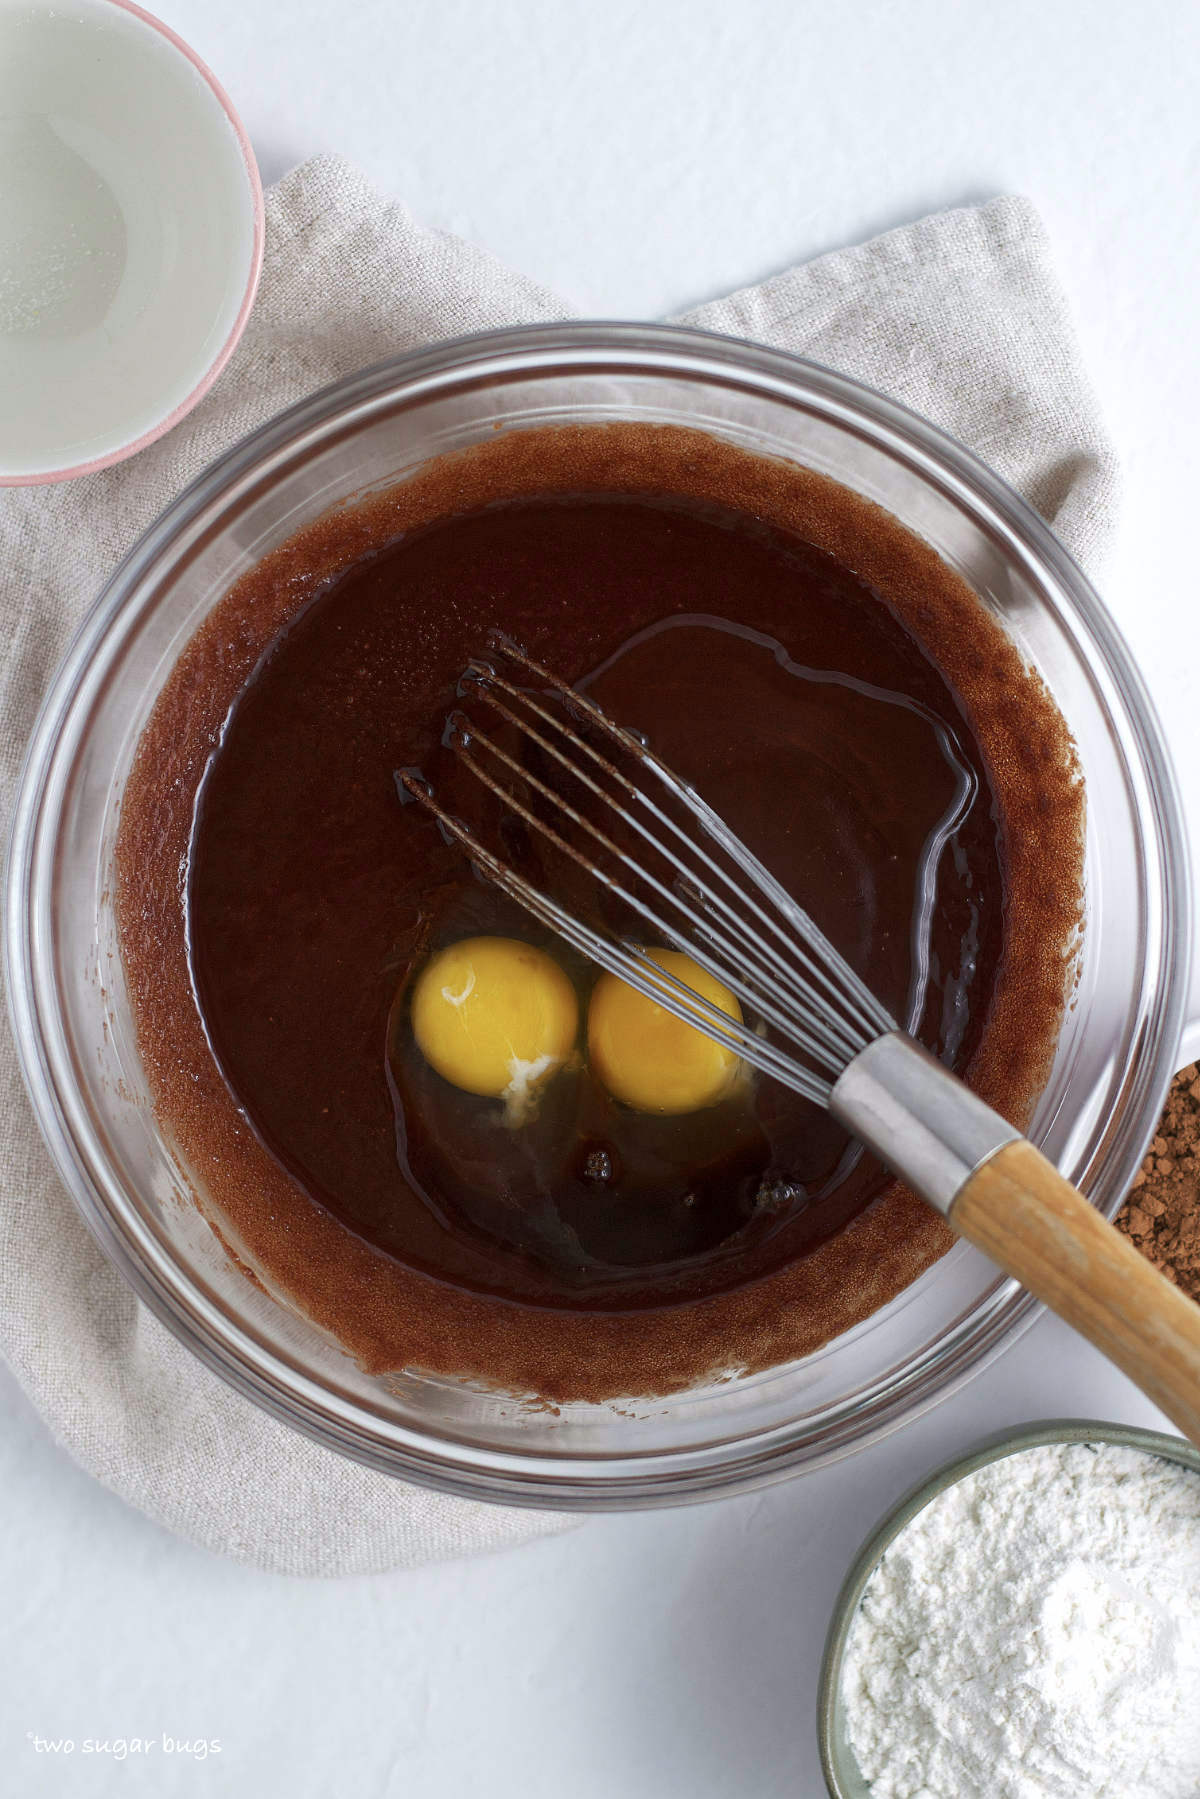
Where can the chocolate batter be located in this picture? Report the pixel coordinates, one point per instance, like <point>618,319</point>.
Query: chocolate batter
<point>834,691</point>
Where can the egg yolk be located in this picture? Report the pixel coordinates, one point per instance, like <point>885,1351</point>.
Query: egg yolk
<point>494,1016</point>
<point>652,1060</point>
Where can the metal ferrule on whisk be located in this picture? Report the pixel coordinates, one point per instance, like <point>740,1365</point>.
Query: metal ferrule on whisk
<point>930,1129</point>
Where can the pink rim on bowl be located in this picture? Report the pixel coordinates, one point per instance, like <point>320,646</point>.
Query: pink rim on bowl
<point>181,411</point>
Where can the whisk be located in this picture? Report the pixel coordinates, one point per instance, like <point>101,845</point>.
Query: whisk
<point>598,795</point>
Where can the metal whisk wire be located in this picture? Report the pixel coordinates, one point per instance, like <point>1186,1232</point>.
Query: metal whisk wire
<point>752,937</point>
<point>944,1141</point>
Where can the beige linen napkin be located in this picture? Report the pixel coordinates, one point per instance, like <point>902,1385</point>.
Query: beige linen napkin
<point>959,316</point>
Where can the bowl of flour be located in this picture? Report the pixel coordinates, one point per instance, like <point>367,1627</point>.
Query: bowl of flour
<point>1025,1625</point>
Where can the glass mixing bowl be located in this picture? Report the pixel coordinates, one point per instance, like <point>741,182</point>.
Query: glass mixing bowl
<point>1118,1047</point>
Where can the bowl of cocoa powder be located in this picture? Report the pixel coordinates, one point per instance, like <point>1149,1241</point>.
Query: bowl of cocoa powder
<point>1162,1214</point>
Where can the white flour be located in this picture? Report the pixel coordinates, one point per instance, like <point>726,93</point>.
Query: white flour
<point>1035,1634</point>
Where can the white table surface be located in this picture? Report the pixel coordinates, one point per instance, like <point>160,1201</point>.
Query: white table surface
<point>638,155</point>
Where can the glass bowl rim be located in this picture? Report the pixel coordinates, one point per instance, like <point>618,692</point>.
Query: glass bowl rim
<point>283,1388</point>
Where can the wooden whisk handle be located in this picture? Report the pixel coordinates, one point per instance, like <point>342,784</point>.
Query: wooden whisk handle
<point>1020,1211</point>
<point>1001,1194</point>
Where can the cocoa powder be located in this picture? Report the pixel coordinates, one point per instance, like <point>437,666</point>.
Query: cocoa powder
<point>1162,1213</point>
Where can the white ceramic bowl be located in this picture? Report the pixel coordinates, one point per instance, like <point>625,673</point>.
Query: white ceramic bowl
<point>131,230</point>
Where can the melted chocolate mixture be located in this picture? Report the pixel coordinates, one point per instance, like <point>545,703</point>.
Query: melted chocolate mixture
<point>874,734</point>
<point>767,674</point>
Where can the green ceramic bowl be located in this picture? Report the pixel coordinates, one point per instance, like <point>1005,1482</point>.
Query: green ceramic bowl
<point>842,1774</point>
